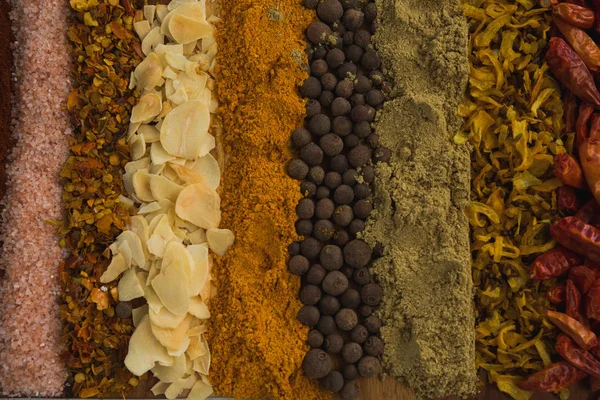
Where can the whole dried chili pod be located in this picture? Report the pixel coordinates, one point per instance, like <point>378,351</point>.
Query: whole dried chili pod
<point>568,170</point>
<point>557,294</point>
<point>581,125</point>
<point>589,212</point>
<point>592,301</point>
<point>553,378</point>
<point>573,303</point>
<point>566,199</point>
<point>596,7</point>
<point>582,277</point>
<point>581,42</point>
<point>577,236</point>
<point>575,15</point>
<point>580,358</point>
<point>553,263</point>
<point>571,71</point>
<point>569,111</point>
<point>589,155</point>
<point>580,334</point>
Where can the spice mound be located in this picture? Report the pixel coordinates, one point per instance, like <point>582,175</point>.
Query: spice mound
<point>420,196</point>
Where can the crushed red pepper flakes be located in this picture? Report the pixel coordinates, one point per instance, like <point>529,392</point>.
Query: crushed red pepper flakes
<point>94,339</point>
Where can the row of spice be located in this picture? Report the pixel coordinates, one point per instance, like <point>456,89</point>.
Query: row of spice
<point>516,305</point>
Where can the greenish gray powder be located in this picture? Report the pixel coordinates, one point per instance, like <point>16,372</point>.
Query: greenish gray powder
<point>426,267</point>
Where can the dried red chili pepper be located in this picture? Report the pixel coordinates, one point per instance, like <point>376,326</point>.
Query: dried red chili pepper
<point>581,334</point>
<point>581,42</point>
<point>571,71</point>
<point>566,199</point>
<point>569,111</point>
<point>553,263</point>
<point>592,301</point>
<point>589,155</point>
<point>128,8</point>
<point>583,277</point>
<point>553,378</point>
<point>577,236</point>
<point>575,15</point>
<point>556,294</point>
<point>589,212</point>
<point>568,170</point>
<point>584,360</point>
<point>594,383</point>
<point>596,7</point>
<point>581,125</point>
<point>573,303</point>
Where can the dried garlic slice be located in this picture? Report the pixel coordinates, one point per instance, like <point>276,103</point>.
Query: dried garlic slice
<point>199,205</point>
<point>185,30</point>
<point>149,72</point>
<point>219,240</point>
<point>145,350</point>
<point>200,391</point>
<point>171,286</point>
<point>172,373</point>
<point>129,286</point>
<point>115,268</point>
<point>147,108</point>
<point>185,129</point>
<point>165,318</point>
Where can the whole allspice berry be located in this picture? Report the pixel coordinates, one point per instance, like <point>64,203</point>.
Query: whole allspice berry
<point>335,283</point>
<point>350,391</point>
<point>315,274</point>
<point>324,209</point>
<point>370,60</point>
<point>350,372</point>
<point>356,226</point>
<point>298,265</point>
<point>340,106</point>
<point>318,32</point>
<point>374,346</point>
<point>357,253</point>
<point>351,297</point>
<point>319,125</point>
<point>311,4</point>
<point>316,364</point>
<point>297,169</point>
<point>313,107</point>
<point>333,382</point>
<point>310,248</point>
<point>364,311</point>
<point>342,125</point>
<point>323,230</point>
<point>352,352</point>
<point>343,215</point>
<point>301,137</point>
<point>331,144</point>
<point>332,179</point>
<point>294,248</point>
<point>343,194</point>
<point>359,156</point>
<point>310,295</point>
<point>309,315</point>
<point>305,208</point>
<point>373,323</point>
<point>330,11</point>
<point>369,366</point>
<point>361,276</point>
<point>311,154</point>
<point>353,19</point>
<point>316,174</point>
<point>333,343</point>
<point>371,294</point>
<point>329,81</point>
<point>315,339</point>
<point>304,227</point>
<point>326,325</point>
<point>335,58</point>
<point>346,319</point>
<point>382,154</point>
<point>362,209</point>
<point>311,88</point>
<point>318,68</point>
<point>339,163</point>
<point>359,334</point>
<point>331,257</point>
<point>329,305</point>
<point>341,237</point>
<point>123,309</point>
<point>344,88</point>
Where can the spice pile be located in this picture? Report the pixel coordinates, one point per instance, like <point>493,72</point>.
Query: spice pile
<point>6,62</point>
<point>257,345</point>
<point>337,150</point>
<point>420,197</point>
<point>29,323</point>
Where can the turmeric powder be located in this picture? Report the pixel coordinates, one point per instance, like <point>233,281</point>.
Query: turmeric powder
<point>257,344</point>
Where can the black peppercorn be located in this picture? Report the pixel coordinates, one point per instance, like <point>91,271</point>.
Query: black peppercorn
<point>333,343</point>
<point>310,248</point>
<point>346,319</point>
<point>343,215</point>
<point>316,364</point>
<point>310,295</point>
<point>369,366</point>
<point>329,305</point>
<point>361,276</point>
<point>331,144</point>
<point>335,283</point>
<point>352,352</point>
<point>373,323</point>
<point>333,382</point>
<point>326,325</point>
<point>323,230</point>
<point>297,169</point>
<point>374,346</point>
<point>357,253</point>
<point>309,315</point>
<point>359,334</point>
<point>371,293</point>
<point>298,265</point>
<point>315,274</point>
<point>315,339</point>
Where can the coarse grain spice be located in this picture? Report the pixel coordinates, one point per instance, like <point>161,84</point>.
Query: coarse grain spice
<point>104,51</point>
<point>257,344</point>
<point>421,194</point>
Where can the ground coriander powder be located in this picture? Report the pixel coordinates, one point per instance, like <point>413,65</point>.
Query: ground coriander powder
<point>420,195</point>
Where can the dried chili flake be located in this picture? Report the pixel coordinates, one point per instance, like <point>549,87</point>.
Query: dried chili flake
<point>94,338</point>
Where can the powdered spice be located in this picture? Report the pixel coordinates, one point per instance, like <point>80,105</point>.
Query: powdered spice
<point>420,197</point>
<point>5,92</point>
<point>257,344</point>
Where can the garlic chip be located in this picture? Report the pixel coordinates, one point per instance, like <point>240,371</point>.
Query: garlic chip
<point>171,286</point>
<point>129,286</point>
<point>144,350</point>
<point>199,205</point>
<point>172,373</point>
<point>185,30</point>
<point>219,240</point>
<point>117,266</point>
<point>184,129</point>
<point>148,107</point>
<point>149,72</point>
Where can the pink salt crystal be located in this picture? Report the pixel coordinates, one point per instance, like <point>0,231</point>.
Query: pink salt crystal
<point>30,326</point>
